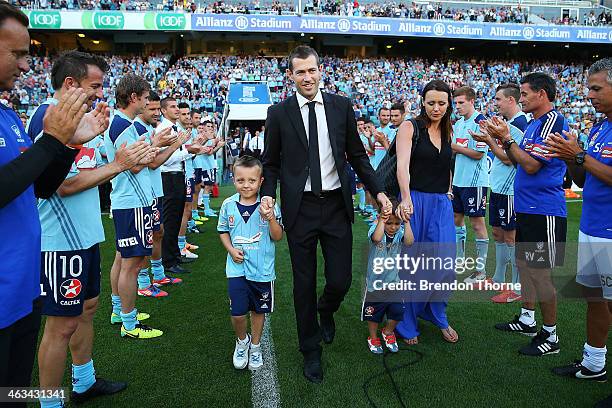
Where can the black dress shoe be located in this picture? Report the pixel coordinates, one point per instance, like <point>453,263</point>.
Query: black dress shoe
<point>328,328</point>
<point>100,387</point>
<point>185,260</point>
<point>177,269</point>
<point>312,368</point>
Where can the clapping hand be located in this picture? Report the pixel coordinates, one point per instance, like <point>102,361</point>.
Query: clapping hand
<point>132,155</point>
<point>163,138</point>
<point>497,128</point>
<point>92,124</point>
<point>62,120</point>
<point>562,148</point>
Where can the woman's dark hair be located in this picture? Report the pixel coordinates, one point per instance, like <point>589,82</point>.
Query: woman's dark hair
<point>445,125</point>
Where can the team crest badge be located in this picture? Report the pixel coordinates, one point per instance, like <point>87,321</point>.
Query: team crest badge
<point>501,212</point>
<point>71,288</point>
<point>149,237</point>
<point>265,296</point>
<point>230,219</point>
<point>369,311</point>
<point>471,200</point>
<point>540,245</point>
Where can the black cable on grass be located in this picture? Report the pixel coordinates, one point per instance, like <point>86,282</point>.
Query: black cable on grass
<point>388,371</point>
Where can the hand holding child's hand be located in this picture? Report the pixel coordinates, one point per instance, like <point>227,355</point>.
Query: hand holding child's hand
<point>237,255</point>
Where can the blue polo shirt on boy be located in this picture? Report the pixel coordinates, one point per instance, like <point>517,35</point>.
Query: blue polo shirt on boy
<point>469,172</point>
<point>596,218</point>
<point>20,231</point>
<point>387,248</point>
<point>129,190</point>
<point>541,193</point>
<point>156,179</point>
<point>253,237</point>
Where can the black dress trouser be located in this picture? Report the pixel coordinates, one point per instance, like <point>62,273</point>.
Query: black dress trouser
<point>173,204</point>
<point>323,220</point>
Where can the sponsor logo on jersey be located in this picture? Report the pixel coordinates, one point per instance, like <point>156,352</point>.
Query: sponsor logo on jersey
<point>70,288</point>
<point>463,142</point>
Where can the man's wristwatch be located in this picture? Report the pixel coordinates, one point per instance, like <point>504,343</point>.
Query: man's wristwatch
<point>579,158</point>
<point>508,144</point>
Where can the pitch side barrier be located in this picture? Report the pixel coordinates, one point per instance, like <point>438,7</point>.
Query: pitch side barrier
<point>380,26</point>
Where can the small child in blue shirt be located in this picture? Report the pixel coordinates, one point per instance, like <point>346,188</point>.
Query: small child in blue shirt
<point>249,240</point>
<point>386,238</point>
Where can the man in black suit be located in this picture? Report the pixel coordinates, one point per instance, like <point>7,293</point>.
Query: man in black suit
<point>309,138</point>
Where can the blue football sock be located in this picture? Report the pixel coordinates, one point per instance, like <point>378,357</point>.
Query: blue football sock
<point>83,377</point>
<point>511,251</point>
<point>144,281</point>
<point>51,402</point>
<point>460,235</point>
<point>194,214</point>
<point>191,223</point>
<point>362,198</point>
<point>116,302</point>
<point>501,260</point>
<point>206,201</point>
<point>182,241</point>
<point>482,249</point>
<point>368,208</point>
<point>129,320</point>
<point>157,268</point>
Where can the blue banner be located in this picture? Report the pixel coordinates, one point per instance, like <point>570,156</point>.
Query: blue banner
<point>400,27</point>
<point>249,93</point>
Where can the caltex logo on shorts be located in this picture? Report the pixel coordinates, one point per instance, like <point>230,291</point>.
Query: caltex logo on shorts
<point>70,288</point>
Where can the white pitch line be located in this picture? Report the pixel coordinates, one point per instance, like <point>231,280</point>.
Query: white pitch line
<point>264,382</point>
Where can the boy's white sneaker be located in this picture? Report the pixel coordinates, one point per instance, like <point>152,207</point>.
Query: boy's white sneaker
<point>255,357</point>
<point>241,353</point>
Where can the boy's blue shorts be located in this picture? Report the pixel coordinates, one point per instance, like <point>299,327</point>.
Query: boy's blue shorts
<point>246,295</point>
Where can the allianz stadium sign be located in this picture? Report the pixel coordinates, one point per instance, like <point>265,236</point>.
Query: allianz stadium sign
<point>119,20</point>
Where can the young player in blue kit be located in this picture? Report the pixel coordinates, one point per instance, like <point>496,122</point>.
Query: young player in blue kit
<point>470,180</point>
<point>385,239</point>
<point>249,241</point>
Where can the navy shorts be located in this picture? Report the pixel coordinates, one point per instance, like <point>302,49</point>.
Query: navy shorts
<point>68,278</point>
<point>246,295</point>
<point>376,311</point>
<point>133,231</point>
<point>501,211</point>
<point>470,201</point>
<point>209,177</point>
<point>189,190</point>
<point>156,209</point>
<point>198,175</point>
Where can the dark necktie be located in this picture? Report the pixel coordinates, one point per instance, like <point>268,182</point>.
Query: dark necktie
<point>313,151</point>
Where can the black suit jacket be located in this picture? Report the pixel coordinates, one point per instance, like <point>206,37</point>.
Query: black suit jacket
<point>285,155</point>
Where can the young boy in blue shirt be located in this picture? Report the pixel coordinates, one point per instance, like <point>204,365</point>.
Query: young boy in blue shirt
<point>249,239</point>
<point>386,238</point>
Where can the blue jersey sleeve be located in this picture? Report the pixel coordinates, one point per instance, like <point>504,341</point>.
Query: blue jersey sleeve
<point>552,123</point>
<point>35,124</point>
<point>222,223</point>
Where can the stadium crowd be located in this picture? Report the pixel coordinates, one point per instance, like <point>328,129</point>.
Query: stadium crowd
<point>371,83</point>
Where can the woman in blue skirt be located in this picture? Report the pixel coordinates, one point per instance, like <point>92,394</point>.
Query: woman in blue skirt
<point>424,177</point>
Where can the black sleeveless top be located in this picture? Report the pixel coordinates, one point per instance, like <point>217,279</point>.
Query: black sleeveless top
<point>430,168</point>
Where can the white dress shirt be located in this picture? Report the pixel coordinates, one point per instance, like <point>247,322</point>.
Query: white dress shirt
<point>257,142</point>
<point>176,159</point>
<point>329,173</point>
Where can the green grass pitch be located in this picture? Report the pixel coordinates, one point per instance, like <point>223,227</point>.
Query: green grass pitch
<point>190,365</point>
